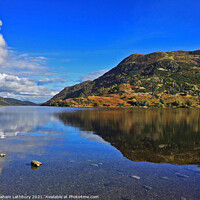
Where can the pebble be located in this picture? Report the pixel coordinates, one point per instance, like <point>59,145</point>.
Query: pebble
<point>181,175</point>
<point>2,155</point>
<point>36,163</point>
<point>135,177</point>
<point>164,177</point>
<point>147,187</point>
<point>162,146</point>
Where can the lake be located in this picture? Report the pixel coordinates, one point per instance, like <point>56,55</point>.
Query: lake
<point>99,153</point>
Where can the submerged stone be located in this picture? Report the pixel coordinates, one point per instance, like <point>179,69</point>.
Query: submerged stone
<point>33,167</point>
<point>94,165</point>
<point>161,146</point>
<point>147,187</point>
<point>36,163</point>
<point>181,175</point>
<point>135,177</point>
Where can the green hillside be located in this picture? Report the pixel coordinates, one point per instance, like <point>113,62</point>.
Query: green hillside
<point>170,73</point>
<point>3,102</point>
<point>15,102</point>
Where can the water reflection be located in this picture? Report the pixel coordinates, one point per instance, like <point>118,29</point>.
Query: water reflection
<point>153,135</point>
<point>77,159</point>
<point>2,160</point>
<point>34,167</point>
<point>16,120</point>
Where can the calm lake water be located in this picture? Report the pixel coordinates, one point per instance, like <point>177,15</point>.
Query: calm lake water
<point>101,154</point>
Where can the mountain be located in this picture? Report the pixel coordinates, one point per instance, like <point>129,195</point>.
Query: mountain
<point>155,79</point>
<point>15,102</point>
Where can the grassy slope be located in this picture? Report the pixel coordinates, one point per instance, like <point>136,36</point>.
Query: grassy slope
<point>3,102</point>
<point>18,102</point>
<point>15,102</point>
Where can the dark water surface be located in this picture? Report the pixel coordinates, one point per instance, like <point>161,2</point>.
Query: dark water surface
<point>109,154</point>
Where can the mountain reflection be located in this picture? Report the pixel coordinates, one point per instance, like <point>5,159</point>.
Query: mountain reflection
<point>153,135</point>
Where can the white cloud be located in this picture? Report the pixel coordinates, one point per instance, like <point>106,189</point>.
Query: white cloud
<point>93,75</point>
<point>23,64</point>
<point>1,23</point>
<point>13,86</point>
<point>13,69</point>
<point>3,50</point>
<point>41,57</point>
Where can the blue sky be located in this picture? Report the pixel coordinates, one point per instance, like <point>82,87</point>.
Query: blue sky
<point>51,44</point>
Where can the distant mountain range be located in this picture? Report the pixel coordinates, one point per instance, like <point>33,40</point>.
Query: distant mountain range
<point>15,102</point>
<point>161,79</point>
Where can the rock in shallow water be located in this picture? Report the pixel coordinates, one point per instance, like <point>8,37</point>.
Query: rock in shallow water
<point>36,163</point>
<point>2,155</point>
<point>181,175</point>
<point>164,177</point>
<point>135,177</point>
<point>94,165</point>
<point>146,187</point>
<point>161,146</point>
